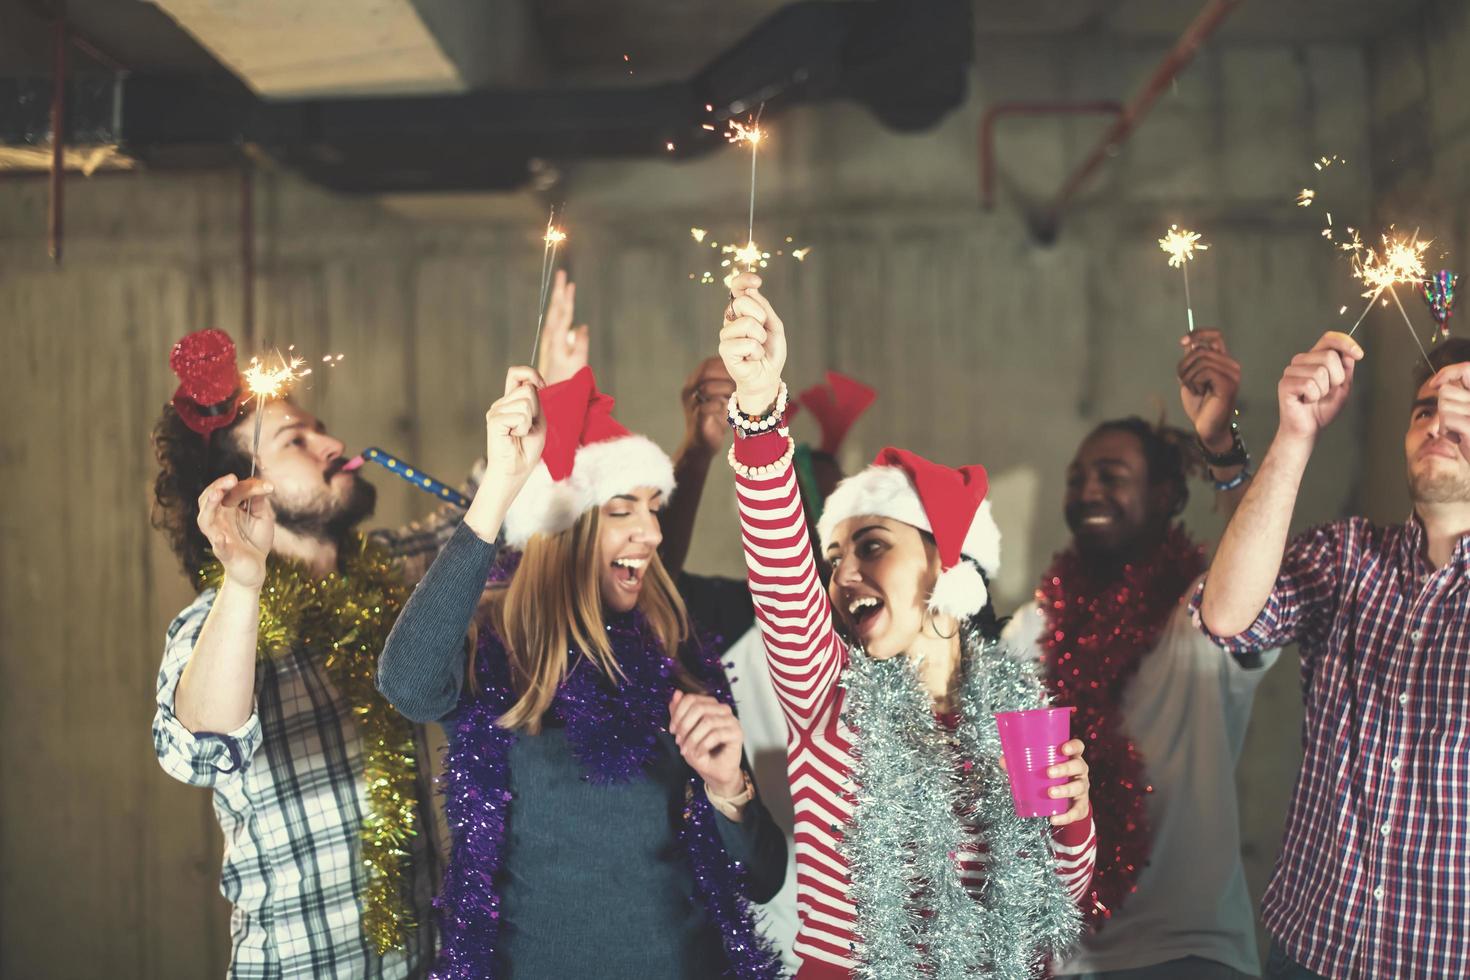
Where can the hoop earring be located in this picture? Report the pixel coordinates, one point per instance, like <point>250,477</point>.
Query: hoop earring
<point>929,614</point>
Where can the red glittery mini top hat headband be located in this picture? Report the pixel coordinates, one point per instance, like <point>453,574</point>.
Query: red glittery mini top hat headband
<point>208,396</point>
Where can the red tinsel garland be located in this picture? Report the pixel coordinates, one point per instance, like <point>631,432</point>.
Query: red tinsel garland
<point>1096,636</point>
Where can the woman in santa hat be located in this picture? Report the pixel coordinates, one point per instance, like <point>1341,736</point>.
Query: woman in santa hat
<point>603,820</point>
<point>910,858</point>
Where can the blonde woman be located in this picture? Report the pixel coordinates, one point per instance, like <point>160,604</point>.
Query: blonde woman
<point>604,823</point>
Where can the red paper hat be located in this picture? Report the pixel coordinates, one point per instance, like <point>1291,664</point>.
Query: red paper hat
<point>589,459</point>
<point>208,396</point>
<point>948,503</point>
<point>836,405</point>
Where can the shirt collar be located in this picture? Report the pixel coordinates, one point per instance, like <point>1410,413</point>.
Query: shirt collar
<point>1416,565</point>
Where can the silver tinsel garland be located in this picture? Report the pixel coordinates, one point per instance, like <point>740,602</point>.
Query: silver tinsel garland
<point>917,786</point>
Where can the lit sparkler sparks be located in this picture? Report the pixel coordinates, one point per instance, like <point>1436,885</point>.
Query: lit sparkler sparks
<point>1399,259</point>
<point>749,132</point>
<point>264,383</point>
<point>551,241</point>
<point>1305,197</point>
<point>1181,244</point>
<point>697,234</point>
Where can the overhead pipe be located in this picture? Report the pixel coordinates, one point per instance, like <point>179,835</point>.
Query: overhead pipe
<point>1205,23</point>
<point>1001,109</point>
<point>247,251</point>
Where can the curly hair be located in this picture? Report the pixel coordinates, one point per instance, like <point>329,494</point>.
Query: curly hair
<point>1171,454</point>
<point>187,463</point>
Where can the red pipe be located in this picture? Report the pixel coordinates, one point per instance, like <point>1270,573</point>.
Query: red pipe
<point>1204,24</point>
<point>987,131</point>
<point>247,253</point>
<point>58,136</point>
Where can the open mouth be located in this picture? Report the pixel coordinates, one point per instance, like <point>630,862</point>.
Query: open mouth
<point>630,572</point>
<point>864,611</point>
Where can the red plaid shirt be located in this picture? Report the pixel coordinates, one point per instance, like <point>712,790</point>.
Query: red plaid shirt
<point>1373,879</point>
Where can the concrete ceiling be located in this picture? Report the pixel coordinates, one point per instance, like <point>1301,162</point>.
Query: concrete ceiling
<point>286,48</point>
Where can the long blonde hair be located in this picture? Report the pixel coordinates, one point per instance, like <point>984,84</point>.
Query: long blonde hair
<point>553,603</point>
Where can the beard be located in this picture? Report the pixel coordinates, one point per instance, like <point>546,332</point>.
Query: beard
<point>328,518</point>
<point>1439,488</point>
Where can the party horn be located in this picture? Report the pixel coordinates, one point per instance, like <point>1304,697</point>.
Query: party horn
<point>417,477</point>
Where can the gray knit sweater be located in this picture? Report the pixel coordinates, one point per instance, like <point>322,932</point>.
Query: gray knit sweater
<point>594,881</point>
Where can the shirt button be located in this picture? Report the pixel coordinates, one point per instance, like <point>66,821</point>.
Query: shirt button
<point>1403,699</point>
<point>1415,636</point>
<point>1378,894</point>
<point>1394,765</point>
<point>1384,829</point>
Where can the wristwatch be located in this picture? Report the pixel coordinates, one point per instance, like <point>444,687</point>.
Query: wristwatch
<point>730,806</point>
<point>1234,456</point>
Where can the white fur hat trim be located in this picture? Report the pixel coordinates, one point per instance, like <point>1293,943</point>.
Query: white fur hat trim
<point>600,472</point>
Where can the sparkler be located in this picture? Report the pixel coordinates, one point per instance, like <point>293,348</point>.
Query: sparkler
<point>266,382</point>
<point>1399,260</point>
<point>550,242</point>
<point>1181,244</point>
<point>749,132</point>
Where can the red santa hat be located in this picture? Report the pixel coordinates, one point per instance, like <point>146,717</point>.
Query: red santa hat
<point>208,396</point>
<point>589,459</point>
<point>948,503</point>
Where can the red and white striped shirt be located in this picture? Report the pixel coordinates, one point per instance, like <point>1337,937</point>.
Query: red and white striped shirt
<point>806,657</point>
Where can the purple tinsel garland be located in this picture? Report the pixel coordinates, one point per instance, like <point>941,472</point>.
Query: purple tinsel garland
<point>614,733</point>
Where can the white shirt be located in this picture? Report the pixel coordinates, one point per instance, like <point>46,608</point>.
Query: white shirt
<point>1186,710</point>
<point>765,746</point>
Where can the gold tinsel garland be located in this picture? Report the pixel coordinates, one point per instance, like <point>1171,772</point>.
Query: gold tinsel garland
<point>344,619</point>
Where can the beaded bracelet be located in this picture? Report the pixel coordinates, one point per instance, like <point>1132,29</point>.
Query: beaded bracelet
<point>1235,481</point>
<point>753,424</point>
<point>767,471</point>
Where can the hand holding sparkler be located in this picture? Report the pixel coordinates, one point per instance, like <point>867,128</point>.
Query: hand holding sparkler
<point>1209,380</point>
<point>567,347</point>
<point>515,437</point>
<point>753,346</point>
<point>1316,384</point>
<point>239,542</point>
<point>1450,388</point>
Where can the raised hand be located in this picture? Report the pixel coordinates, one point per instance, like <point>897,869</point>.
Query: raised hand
<point>1451,388</point>
<point>709,738</point>
<point>1209,380</point>
<point>1315,385</point>
<point>753,345</point>
<point>241,540</point>
<point>706,397</point>
<point>515,435</point>
<point>564,348</point>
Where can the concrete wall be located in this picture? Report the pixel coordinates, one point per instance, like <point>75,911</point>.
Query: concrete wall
<point>986,345</point>
<point>1419,130</point>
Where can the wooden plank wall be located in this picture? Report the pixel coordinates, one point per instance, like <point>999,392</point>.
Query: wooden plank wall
<point>985,346</point>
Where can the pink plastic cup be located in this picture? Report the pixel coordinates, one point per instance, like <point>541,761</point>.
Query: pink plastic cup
<point>1031,742</point>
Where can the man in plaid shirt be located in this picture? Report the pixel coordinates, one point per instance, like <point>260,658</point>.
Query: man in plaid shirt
<point>1373,879</point>
<point>272,736</point>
